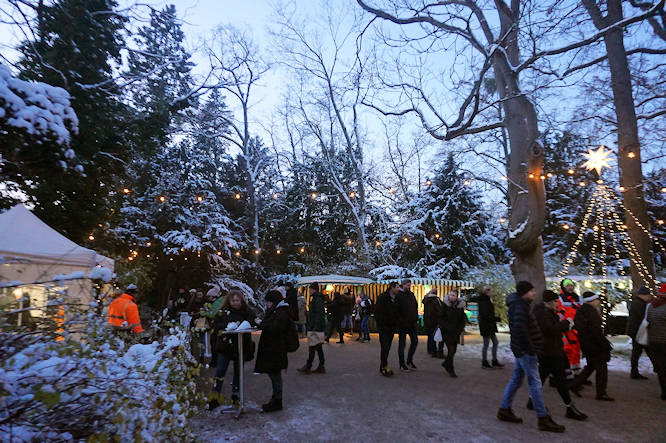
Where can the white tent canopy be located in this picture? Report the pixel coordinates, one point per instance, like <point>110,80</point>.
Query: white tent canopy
<point>34,258</point>
<point>334,279</point>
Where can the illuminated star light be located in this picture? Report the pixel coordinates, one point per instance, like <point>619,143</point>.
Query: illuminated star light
<point>598,159</point>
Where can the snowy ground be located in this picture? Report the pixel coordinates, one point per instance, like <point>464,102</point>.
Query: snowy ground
<point>352,402</point>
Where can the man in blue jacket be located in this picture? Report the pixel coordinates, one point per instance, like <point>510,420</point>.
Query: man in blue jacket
<point>526,343</point>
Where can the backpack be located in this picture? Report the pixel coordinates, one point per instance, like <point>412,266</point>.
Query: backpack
<point>291,341</point>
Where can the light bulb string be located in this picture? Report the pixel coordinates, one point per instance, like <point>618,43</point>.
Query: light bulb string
<point>574,249</point>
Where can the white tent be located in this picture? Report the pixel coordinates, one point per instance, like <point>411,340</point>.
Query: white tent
<point>38,258</point>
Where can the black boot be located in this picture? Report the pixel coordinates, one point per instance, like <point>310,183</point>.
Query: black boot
<point>574,414</point>
<point>235,400</point>
<point>275,404</point>
<point>305,370</point>
<point>529,404</point>
<point>320,370</point>
<point>213,404</point>
<point>485,365</point>
<point>636,376</point>
<point>440,354</point>
<point>547,424</point>
<point>497,364</point>
<point>508,415</point>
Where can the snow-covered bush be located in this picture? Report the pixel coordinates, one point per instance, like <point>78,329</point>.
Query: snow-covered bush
<point>91,385</point>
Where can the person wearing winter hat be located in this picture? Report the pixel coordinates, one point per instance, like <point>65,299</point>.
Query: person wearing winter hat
<point>553,360</point>
<point>272,350</point>
<point>594,344</point>
<point>526,343</point>
<point>316,330</point>
<point>568,304</point>
<point>637,308</point>
<point>656,318</point>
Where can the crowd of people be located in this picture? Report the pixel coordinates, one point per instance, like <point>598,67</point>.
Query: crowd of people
<point>547,338</point>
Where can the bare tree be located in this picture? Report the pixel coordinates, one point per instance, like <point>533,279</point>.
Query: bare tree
<point>237,70</point>
<point>329,95</point>
<point>477,48</point>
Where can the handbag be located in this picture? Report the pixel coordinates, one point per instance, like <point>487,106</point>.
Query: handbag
<point>438,336</point>
<point>642,333</point>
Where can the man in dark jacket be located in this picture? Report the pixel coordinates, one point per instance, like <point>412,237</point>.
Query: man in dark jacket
<point>291,298</point>
<point>553,361</point>
<point>316,327</point>
<point>487,326</point>
<point>594,345</point>
<point>432,309</point>
<point>336,309</point>
<point>386,315</point>
<point>409,316</point>
<point>636,314</point>
<point>526,343</point>
<point>452,324</point>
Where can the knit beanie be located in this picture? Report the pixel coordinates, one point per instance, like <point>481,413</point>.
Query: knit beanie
<point>589,296</point>
<point>549,295</point>
<point>523,287</point>
<point>273,296</point>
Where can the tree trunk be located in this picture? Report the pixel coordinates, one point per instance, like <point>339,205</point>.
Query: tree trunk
<point>631,173</point>
<point>527,196</point>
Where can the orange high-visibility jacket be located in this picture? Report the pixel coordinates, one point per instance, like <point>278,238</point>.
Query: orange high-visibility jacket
<point>123,313</point>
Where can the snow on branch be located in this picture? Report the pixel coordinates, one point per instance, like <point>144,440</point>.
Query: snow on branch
<point>40,109</point>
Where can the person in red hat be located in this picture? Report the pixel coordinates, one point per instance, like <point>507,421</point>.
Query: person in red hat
<point>656,317</point>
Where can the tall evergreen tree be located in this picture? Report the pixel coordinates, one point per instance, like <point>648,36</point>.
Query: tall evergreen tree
<point>443,231</point>
<point>77,43</point>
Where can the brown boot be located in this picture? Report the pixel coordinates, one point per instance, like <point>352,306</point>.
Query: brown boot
<point>547,424</point>
<point>508,415</point>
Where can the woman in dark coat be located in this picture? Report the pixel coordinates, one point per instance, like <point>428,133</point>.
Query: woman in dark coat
<point>272,350</point>
<point>452,324</point>
<point>487,325</point>
<point>432,307</point>
<point>233,310</point>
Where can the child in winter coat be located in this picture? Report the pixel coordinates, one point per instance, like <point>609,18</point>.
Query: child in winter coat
<point>452,324</point>
<point>233,310</point>
<point>272,350</point>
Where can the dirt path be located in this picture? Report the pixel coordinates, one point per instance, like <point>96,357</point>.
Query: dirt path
<point>353,402</point>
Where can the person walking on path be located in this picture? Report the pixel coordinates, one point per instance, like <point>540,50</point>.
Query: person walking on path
<point>488,326</point>
<point>302,315</point>
<point>335,313</point>
<point>316,327</point>
<point>367,309</point>
<point>407,325</point>
<point>386,315</point>
<point>452,324</point>
<point>657,336</point>
<point>553,360</point>
<point>272,349</point>
<point>233,310</point>
<point>567,305</point>
<point>636,314</point>
<point>594,344</point>
<point>123,313</point>
<point>347,325</point>
<point>526,343</point>
<point>432,311</point>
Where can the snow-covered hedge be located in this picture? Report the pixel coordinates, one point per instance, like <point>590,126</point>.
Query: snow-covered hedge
<point>93,386</point>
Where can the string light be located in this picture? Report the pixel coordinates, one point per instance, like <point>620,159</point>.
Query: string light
<point>149,244</point>
<point>313,195</point>
<point>502,220</point>
<point>663,189</point>
<point>467,182</point>
<point>660,222</point>
<point>571,171</point>
<point>126,191</point>
<point>549,175</point>
<point>161,198</point>
<point>581,184</point>
<point>91,237</point>
<point>237,196</point>
<point>218,253</point>
<point>405,239</point>
<point>428,182</point>
<point>631,155</point>
<point>531,176</point>
<point>352,194</point>
<point>622,189</point>
<point>378,243</point>
<point>437,236</point>
<point>199,198</point>
<point>566,227</point>
<point>543,177</point>
<point>256,252</point>
<point>237,253</point>
<point>278,252</point>
<point>350,242</point>
<point>275,196</point>
<point>302,250</point>
<point>391,190</point>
